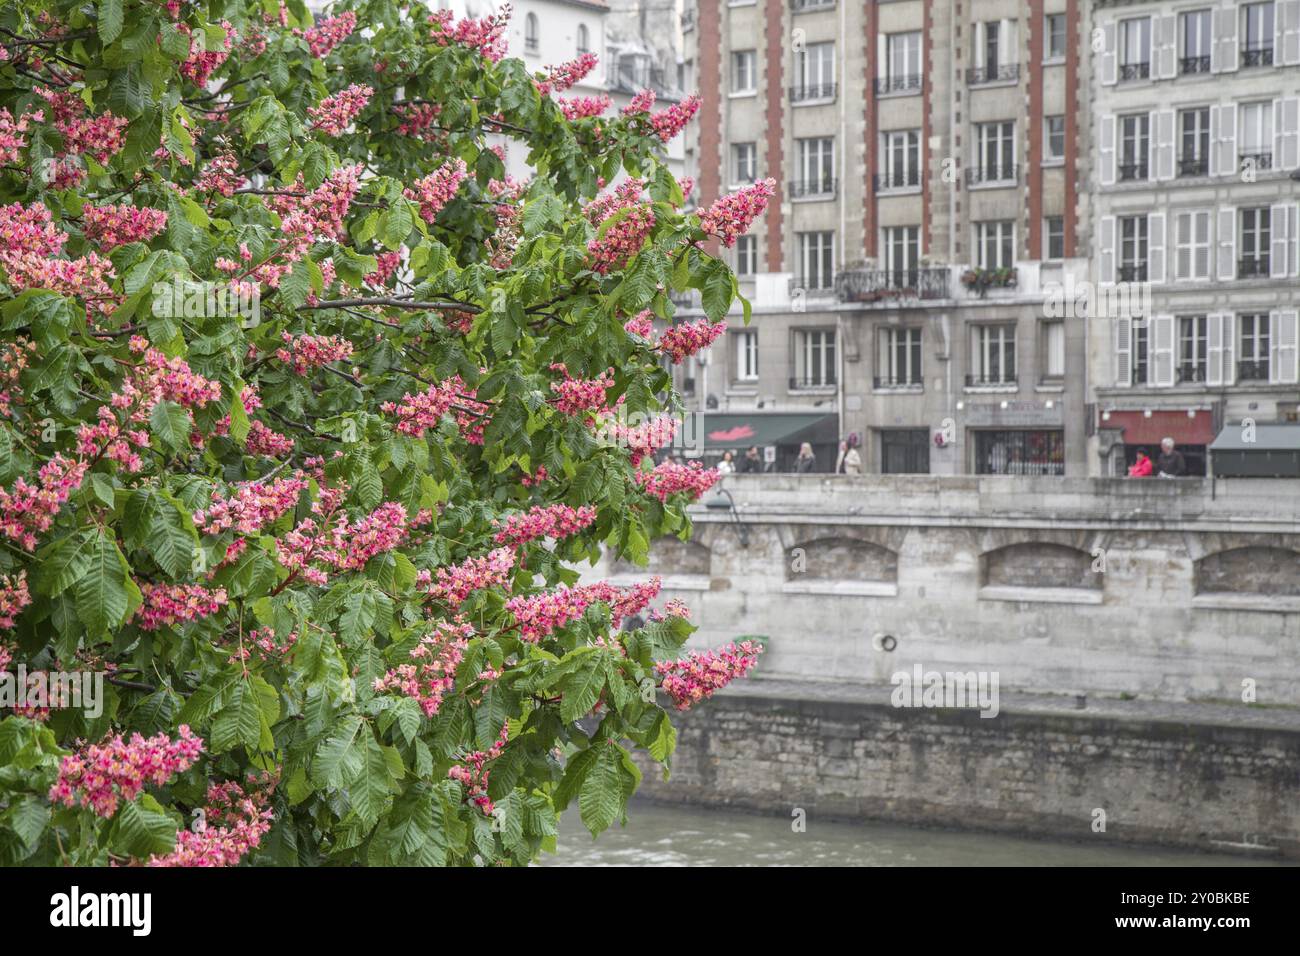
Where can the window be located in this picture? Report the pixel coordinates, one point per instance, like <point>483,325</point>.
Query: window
<point>995,244</point>
<point>1134,145</point>
<point>1053,346</point>
<point>902,255</point>
<point>1192,245</point>
<point>1054,237</point>
<point>1194,142</point>
<point>902,62</point>
<point>1135,49</point>
<point>993,359</point>
<point>1020,452</point>
<point>744,76</point>
<point>1257,36</point>
<point>905,451</point>
<point>1193,346</point>
<point>1053,138</point>
<point>746,355</point>
<point>584,39</point>
<point>1195,38</point>
<point>1256,233</point>
<point>816,260</point>
<point>995,153</point>
<point>1054,32</point>
<point>1252,365</point>
<point>815,164</point>
<point>814,358</point>
<point>992,47</point>
<point>1133,249</point>
<point>1141,354</point>
<point>530,33</point>
<point>900,358</point>
<point>746,255</point>
<point>815,68</point>
<point>1255,145</point>
<point>901,160</point>
<point>744,163</point>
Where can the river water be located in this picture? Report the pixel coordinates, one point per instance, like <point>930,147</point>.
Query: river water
<point>658,835</point>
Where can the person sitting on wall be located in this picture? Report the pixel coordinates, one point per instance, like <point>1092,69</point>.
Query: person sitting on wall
<point>752,463</point>
<point>1142,467</point>
<point>1170,464</point>
<point>806,461</point>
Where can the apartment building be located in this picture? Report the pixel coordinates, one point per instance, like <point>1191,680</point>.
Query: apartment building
<point>927,155</point>
<point>1197,124</point>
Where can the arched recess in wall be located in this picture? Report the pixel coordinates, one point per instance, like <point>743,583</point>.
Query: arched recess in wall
<point>1043,571</point>
<point>1262,575</point>
<point>838,564</point>
<point>670,556</point>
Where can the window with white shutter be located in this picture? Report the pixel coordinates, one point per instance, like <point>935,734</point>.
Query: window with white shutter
<point>1284,335</point>
<point>1162,351</point>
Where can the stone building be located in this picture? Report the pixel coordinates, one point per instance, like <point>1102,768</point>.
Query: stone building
<point>927,155</point>
<point>1196,111</point>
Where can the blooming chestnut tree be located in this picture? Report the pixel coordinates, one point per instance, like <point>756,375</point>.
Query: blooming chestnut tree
<point>308,411</point>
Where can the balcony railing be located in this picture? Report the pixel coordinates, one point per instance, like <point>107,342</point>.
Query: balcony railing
<point>1252,371</point>
<point>890,381</point>
<point>1193,64</point>
<point>688,20</point>
<point>1257,55</point>
<point>1132,272</point>
<point>530,44</point>
<point>1132,171</point>
<point>993,174</point>
<point>1135,71</point>
<point>1004,73</point>
<point>873,285</point>
<point>898,179</point>
<point>1251,267</point>
<point>814,188</point>
<point>1262,160</point>
<point>807,6</point>
<point>983,380</point>
<point>810,92</point>
<point>899,84</point>
<point>1193,166</point>
<point>815,381</point>
<point>1190,373</point>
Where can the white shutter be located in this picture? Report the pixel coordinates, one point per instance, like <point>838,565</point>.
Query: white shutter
<point>1214,350</point>
<point>1008,49</point>
<point>1226,140</point>
<point>1280,232</point>
<point>1286,132</point>
<point>1156,254</point>
<point>1106,141</point>
<point>979,36</point>
<point>1163,130</point>
<point>1106,256</point>
<point>1229,347</point>
<point>1284,347</point>
<point>1225,40</point>
<point>882,55</point>
<point>1286,50</point>
<point>1214,138</point>
<point>1109,55</point>
<point>1161,345</point>
<point>1123,351</point>
<point>1201,245</point>
<point>1227,237</point>
<point>1184,248</point>
<point>1164,32</point>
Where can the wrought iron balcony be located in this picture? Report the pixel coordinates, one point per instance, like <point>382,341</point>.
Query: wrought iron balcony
<point>1259,54</point>
<point>826,188</point>
<point>1193,64</point>
<point>1133,171</point>
<point>993,174</point>
<point>807,6</point>
<point>898,179</point>
<point>911,83</point>
<point>1135,71</point>
<point>814,91</point>
<point>983,380</point>
<point>1191,373</point>
<point>1252,371</point>
<point>1193,166</point>
<point>891,381</point>
<point>1262,160</point>
<point>873,285</point>
<point>1252,267</point>
<point>815,381</point>
<point>1004,73</point>
<point>1132,272</point>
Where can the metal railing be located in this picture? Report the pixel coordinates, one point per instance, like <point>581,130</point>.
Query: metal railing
<point>1135,71</point>
<point>1251,267</point>
<point>807,6</point>
<point>1132,171</point>
<point>892,381</point>
<point>1004,73</point>
<point>912,83</point>
<point>815,381</point>
<point>1257,55</point>
<point>1193,64</point>
<point>814,188</point>
<point>1193,166</point>
<point>812,91</point>
<point>898,179</point>
<point>1252,370</point>
<point>870,285</point>
<point>1132,272</point>
<point>1262,159</point>
<point>1190,372</point>
<point>812,287</point>
<point>995,173</point>
<point>981,380</point>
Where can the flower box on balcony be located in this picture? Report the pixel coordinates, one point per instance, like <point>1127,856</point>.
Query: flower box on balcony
<point>981,280</point>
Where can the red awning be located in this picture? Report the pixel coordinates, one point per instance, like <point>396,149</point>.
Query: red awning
<point>1176,424</point>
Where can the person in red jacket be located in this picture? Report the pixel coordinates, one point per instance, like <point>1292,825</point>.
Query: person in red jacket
<point>1142,467</point>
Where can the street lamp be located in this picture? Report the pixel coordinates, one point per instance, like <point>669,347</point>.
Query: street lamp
<point>722,501</point>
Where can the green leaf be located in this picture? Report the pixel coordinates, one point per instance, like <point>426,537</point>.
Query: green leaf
<point>62,562</point>
<point>142,829</point>
<point>331,766</point>
<point>172,540</point>
<point>171,423</point>
<point>239,722</point>
<point>600,801</point>
<point>109,24</point>
<point>102,590</point>
<point>370,789</point>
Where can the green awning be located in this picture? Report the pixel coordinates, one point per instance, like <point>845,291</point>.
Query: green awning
<point>1271,450</point>
<point>740,430</point>
<point>1268,436</point>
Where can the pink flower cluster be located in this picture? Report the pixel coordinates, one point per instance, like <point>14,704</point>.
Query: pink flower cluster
<point>627,193</point>
<point>539,615</point>
<point>234,822</point>
<point>417,118</point>
<point>642,103</point>
<point>583,107</point>
<point>437,189</point>
<point>472,773</point>
<point>198,66</point>
<point>252,507</point>
<point>268,646</point>
<point>730,217</point>
<point>386,265</point>
<point>544,521</point>
<point>158,377</point>
<point>668,123</point>
<point>221,175</point>
<point>14,596</point>
<point>702,673</point>
<point>458,582</point>
<point>100,137</point>
<point>433,674</point>
<point>312,351</point>
<point>487,35</point>
<point>335,113</point>
<point>13,359</point>
<point>166,605</point>
<point>266,441</point>
<point>29,242</point>
<point>113,226</point>
<point>108,437</point>
<point>318,215</point>
<point>323,37</point>
<point>642,324</point>
<point>101,775</point>
<point>335,542</point>
<point>380,531</point>
<point>557,79</point>
<point>12,134</point>
<point>573,396</point>
<point>421,412</point>
<point>670,478</point>
<point>682,341</point>
<point>29,510</point>
<point>644,439</point>
<point>620,238</point>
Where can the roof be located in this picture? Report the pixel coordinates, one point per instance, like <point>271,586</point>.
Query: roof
<point>1269,436</point>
